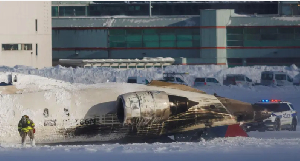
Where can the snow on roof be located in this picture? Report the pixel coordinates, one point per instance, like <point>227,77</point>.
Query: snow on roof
<point>144,60</point>
<point>259,20</point>
<point>127,21</point>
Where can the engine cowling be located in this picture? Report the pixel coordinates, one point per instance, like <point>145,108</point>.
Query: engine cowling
<point>143,107</point>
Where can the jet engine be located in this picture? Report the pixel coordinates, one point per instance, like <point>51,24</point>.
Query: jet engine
<point>144,107</point>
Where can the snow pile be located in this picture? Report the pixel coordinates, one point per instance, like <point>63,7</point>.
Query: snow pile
<point>246,149</point>
<point>103,74</point>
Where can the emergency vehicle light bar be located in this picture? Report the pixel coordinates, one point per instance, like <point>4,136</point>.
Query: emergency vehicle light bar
<point>270,100</point>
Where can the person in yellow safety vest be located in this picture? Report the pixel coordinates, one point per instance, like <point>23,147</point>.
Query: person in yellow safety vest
<point>26,127</point>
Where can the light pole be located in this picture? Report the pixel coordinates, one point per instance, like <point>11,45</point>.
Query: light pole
<point>150,7</point>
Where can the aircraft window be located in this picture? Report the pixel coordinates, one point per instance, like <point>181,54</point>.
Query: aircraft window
<point>67,111</point>
<point>46,112</point>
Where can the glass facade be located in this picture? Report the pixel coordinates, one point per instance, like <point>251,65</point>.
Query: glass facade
<point>232,62</point>
<point>159,37</point>
<point>72,11</point>
<point>141,8</point>
<point>263,37</point>
<point>54,11</point>
<point>289,8</point>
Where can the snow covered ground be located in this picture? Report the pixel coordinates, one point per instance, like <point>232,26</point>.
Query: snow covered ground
<point>246,149</point>
<point>259,146</point>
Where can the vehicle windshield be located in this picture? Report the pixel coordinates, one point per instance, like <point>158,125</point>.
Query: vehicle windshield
<point>179,80</point>
<point>169,79</point>
<point>266,76</point>
<point>239,78</point>
<point>248,79</point>
<point>270,107</point>
<point>200,80</point>
<point>131,81</point>
<point>230,78</point>
<point>280,77</point>
<point>292,106</point>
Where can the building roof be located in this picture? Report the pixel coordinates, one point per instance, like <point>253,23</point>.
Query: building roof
<point>171,21</point>
<point>155,2</point>
<point>70,3</point>
<point>245,20</point>
<point>127,21</point>
<point>159,61</point>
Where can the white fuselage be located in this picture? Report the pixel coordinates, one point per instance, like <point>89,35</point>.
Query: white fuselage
<point>61,108</point>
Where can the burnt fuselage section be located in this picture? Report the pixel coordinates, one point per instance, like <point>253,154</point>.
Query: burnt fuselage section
<point>157,113</point>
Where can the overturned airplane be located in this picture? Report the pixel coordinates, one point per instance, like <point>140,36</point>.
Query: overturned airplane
<point>129,113</point>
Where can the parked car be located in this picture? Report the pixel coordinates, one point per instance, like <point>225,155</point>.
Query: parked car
<point>206,81</point>
<point>138,80</point>
<point>173,78</point>
<point>275,78</point>
<point>235,79</point>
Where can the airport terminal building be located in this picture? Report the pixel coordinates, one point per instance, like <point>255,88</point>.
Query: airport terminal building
<point>193,33</point>
<point>25,34</point>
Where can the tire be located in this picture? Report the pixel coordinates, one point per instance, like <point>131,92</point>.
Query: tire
<point>277,125</point>
<point>294,125</point>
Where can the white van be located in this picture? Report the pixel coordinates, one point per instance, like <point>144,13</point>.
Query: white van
<point>138,80</point>
<point>206,81</point>
<point>237,79</point>
<point>275,78</point>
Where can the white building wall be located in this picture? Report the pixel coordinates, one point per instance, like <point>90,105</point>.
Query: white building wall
<point>213,34</point>
<point>18,26</point>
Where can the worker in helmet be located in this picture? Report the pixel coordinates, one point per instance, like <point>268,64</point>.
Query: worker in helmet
<point>26,127</point>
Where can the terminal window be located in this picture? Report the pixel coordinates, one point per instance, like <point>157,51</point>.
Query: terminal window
<point>263,36</point>
<point>6,47</point>
<point>159,37</point>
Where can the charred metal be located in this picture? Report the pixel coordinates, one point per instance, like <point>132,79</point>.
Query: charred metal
<point>157,114</point>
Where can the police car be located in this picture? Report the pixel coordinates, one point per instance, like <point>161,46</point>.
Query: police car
<point>283,117</point>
